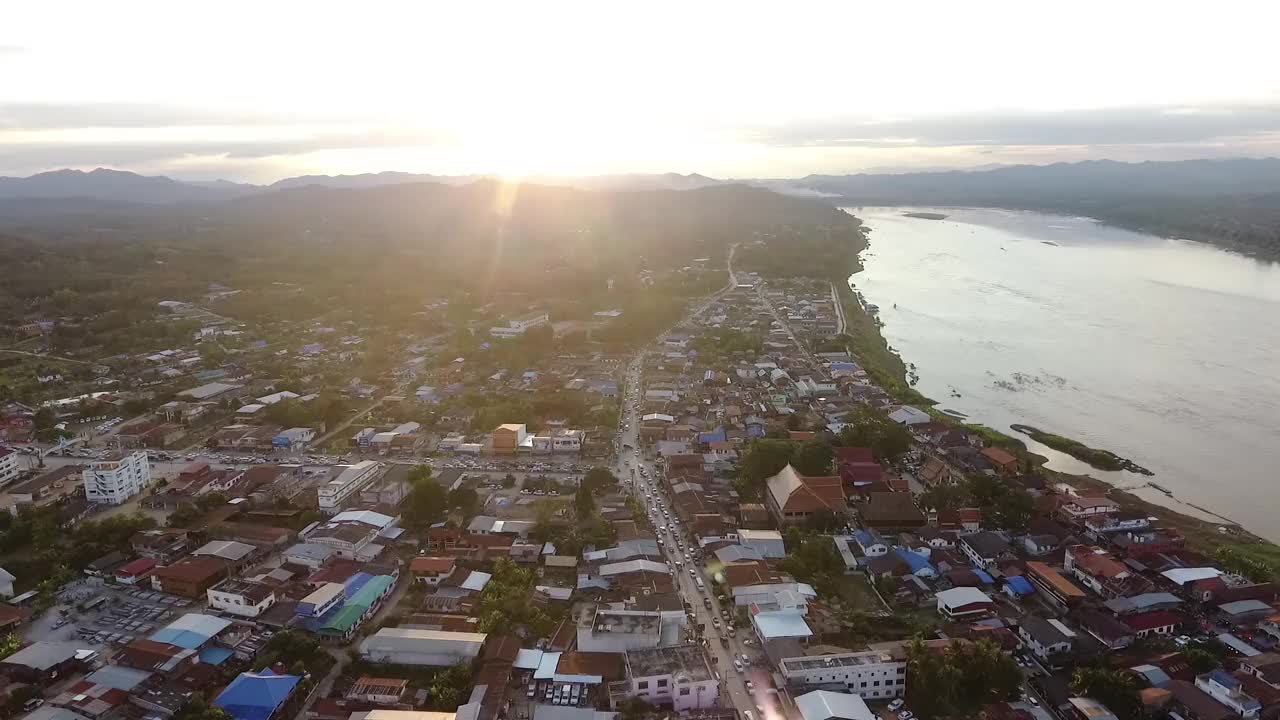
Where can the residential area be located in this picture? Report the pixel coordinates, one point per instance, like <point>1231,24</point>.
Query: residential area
<point>728,520</point>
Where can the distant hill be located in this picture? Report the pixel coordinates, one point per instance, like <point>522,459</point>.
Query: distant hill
<point>1093,179</point>
<point>103,184</point>
<point>1232,203</point>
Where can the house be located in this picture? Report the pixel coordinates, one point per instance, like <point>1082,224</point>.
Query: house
<point>1228,691</point>
<point>1156,622</point>
<point>879,673</point>
<point>1094,568</point>
<point>1109,631</point>
<point>985,549</point>
<point>793,498</point>
<point>1045,638</point>
<point>1193,703</point>
<point>964,602</point>
<point>1052,585</point>
<point>6,583</point>
<point>40,662</point>
<point>1001,461</point>
<point>378,690</point>
<point>240,597</point>
<point>431,570</point>
<point>1077,508</point>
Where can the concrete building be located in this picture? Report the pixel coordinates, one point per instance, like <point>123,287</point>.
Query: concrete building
<point>1045,638</point>
<point>1229,691</point>
<point>516,327</point>
<point>433,648</point>
<point>678,676</point>
<point>879,674</point>
<point>238,597</point>
<point>964,602</point>
<point>617,631</point>
<point>9,466</point>
<point>350,481</point>
<point>114,480</point>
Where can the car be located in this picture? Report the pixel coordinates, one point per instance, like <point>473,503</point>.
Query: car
<point>1032,699</point>
<point>906,715</point>
<point>750,686</point>
<point>896,705</point>
<point>737,665</point>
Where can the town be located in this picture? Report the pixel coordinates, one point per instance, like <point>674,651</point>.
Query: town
<point>713,511</point>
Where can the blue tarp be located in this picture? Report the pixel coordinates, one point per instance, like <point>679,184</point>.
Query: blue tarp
<point>1020,585</point>
<point>716,435</point>
<point>984,576</point>
<point>256,696</point>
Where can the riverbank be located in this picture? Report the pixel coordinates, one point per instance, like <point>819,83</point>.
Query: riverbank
<point>1205,531</point>
<point>1100,459</point>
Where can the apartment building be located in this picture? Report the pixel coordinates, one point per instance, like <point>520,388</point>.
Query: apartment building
<point>117,478</point>
<point>349,482</point>
<point>238,597</point>
<point>9,466</point>
<point>879,674</point>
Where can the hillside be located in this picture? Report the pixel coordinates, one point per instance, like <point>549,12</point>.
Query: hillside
<point>1231,203</point>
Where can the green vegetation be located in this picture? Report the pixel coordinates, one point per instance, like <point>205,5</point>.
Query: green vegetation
<point>297,652</point>
<point>198,708</point>
<point>1114,688</point>
<point>812,558</point>
<point>1002,504</point>
<point>1100,459</point>
<point>504,604</point>
<point>960,679</point>
<point>1256,565</point>
<point>427,501</point>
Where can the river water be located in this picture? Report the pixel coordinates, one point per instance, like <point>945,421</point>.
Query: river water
<point>1163,351</point>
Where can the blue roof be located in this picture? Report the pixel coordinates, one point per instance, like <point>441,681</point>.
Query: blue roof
<point>983,576</point>
<point>1020,585</point>
<point>354,583</point>
<point>755,430</point>
<point>916,561</point>
<point>215,655</point>
<point>866,538</point>
<point>716,435</point>
<point>844,366</point>
<point>256,696</point>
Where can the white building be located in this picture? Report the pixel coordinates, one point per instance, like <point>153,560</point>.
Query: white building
<point>1229,691</point>
<point>517,327</point>
<point>238,597</point>
<point>9,466</point>
<point>766,542</point>
<point>679,676</point>
<point>877,674</point>
<point>567,441</point>
<point>824,705</point>
<point>350,481</point>
<point>113,481</point>
<point>1045,638</point>
<point>433,648</point>
<point>616,631</point>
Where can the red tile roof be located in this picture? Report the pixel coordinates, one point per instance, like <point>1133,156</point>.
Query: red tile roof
<point>1154,619</point>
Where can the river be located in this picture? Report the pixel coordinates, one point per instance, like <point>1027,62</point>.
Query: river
<point>1163,351</point>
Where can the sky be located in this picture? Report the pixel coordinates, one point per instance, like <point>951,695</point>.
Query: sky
<point>257,91</point>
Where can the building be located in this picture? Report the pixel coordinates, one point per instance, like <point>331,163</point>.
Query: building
<point>879,674</point>
<point>1059,590</point>
<point>984,549</point>
<point>679,676</point>
<point>793,498</point>
<point>431,570</point>
<point>825,705</point>
<point>332,495</point>
<point>767,543</point>
<point>377,690</point>
<point>433,648</point>
<point>1229,691</point>
<point>10,468</point>
<point>257,696</point>
<point>964,602</point>
<point>1045,638</point>
<point>190,577</point>
<point>617,631</point>
<point>40,662</point>
<point>508,438</point>
<point>114,480</point>
<point>238,597</point>
<point>516,327</point>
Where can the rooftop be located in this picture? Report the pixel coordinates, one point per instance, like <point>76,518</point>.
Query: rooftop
<point>687,662</point>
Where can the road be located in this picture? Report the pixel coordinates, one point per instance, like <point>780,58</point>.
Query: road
<point>835,300</point>
<point>677,545</point>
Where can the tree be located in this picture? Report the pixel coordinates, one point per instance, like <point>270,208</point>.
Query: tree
<point>583,503</point>
<point>959,679</point>
<point>508,480</point>
<point>9,645</point>
<point>1002,504</point>
<point>197,708</point>
<point>764,458</point>
<point>599,478</point>
<point>1114,688</point>
<point>1200,660</point>
<point>426,503</point>
<point>943,497</point>
<point>450,687</point>
<point>465,499</point>
<point>813,457</point>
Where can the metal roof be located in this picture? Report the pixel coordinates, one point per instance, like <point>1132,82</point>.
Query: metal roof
<point>191,630</point>
<point>824,705</point>
<point>226,549</point>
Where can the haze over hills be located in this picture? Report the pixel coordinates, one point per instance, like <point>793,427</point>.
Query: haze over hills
<point>1233,203</point>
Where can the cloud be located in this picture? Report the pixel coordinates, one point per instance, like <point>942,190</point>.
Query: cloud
<point>1104,127</point>
<point>53,116</point>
